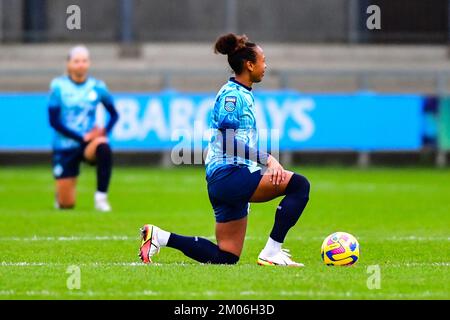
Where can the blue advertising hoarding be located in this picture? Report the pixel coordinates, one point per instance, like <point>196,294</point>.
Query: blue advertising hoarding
<point>156,121</point>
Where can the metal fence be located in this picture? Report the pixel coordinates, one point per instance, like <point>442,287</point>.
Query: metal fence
<point>342,21</point>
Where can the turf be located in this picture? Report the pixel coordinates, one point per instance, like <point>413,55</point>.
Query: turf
<point>401,218</point>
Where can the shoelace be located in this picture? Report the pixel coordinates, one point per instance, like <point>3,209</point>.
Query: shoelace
<point>286,252</point>
<point>287,255</point>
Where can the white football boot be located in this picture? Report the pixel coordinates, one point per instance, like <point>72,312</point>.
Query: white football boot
<point>281,258</point>
<point>150,244</point>
<point>101,202</point>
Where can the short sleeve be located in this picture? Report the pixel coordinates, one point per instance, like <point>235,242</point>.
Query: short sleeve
<point>103,91</point>
<point>230,107</point>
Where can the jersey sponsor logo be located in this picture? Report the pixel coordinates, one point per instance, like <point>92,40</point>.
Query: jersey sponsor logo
<point>230,103</point>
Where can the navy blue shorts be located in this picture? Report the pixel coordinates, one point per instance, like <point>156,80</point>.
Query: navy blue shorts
<point>66,163</point>
<point>230,194</point>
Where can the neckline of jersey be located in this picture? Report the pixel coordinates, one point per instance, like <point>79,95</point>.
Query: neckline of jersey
<point>77,83</point>
<point>233,79</point>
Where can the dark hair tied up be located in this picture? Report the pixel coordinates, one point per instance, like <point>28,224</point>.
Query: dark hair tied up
<point>238,49</point>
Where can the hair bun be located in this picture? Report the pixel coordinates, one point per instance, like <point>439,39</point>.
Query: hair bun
<point>230,43</point>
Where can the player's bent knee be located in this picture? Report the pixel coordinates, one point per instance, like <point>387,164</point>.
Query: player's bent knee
<point>65,201</point>
<point>66,205</point>
<point>231,247</point>
<point>299,184</point>
<point>228,258</point>
<point>103,148</point>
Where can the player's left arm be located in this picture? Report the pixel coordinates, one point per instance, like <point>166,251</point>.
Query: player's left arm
<point>229,121</point>
<point>230,113</point>
<point>108,102</point>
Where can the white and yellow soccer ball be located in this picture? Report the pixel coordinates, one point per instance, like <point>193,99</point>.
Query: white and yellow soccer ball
<point>340,249</point>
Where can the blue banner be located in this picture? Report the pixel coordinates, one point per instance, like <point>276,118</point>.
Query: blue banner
<point>157,121</point>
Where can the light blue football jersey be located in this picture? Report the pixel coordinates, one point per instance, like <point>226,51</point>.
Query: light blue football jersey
<point>78,103</point>
<point>234,109</point>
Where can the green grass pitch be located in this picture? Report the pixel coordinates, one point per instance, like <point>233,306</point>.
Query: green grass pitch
<point>401,218</point>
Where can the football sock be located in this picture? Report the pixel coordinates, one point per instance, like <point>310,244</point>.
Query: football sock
<point>201,250</point>
<point>291,207</point>
<point>104,166</point>
<point>99,196</point>
<point>272,247</point>
<point>163,237</point>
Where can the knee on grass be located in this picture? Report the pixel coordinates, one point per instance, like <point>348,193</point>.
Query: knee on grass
<point>66,205</point>
<point>224,257</point>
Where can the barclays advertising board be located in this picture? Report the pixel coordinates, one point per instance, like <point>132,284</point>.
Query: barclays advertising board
<point>160,121</point>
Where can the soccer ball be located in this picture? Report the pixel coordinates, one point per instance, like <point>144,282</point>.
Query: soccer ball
<point>340,249</point>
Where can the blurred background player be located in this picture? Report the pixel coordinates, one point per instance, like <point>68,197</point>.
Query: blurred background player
<point>234,174</point>
<point>72,109</point>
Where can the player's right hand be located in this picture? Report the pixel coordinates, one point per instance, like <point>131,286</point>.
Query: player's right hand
<point>88,136</point>
<point>94,133</point>
<point>275,170</point>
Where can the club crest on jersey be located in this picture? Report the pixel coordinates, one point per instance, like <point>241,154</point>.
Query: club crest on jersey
<point>58,170</point>
<point>230,103</point>
<point>92,95</point>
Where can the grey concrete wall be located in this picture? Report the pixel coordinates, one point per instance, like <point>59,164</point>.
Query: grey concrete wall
<point>194,67</point>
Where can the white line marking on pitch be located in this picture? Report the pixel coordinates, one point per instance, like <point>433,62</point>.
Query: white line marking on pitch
<point>71,238</point>
<point>309,293</point>
<point>140,264</point>
<point>251,238</point>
